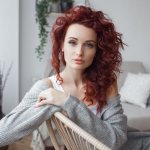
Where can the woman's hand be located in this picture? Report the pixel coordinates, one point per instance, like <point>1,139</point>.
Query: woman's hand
<point>51,96</point>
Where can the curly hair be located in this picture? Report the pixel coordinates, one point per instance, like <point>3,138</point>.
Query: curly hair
<point>103,71</point>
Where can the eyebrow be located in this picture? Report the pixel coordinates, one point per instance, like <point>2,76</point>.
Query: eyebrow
<point>85,41</point>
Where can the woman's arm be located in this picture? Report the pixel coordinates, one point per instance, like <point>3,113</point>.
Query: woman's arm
<point>111,128</point>
<point>25,118</point>
<point>112,90</point>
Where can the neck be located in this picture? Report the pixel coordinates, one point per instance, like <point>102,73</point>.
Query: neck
<point>73,77</point>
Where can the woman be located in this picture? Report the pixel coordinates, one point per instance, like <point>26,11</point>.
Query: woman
<point>87,44</point>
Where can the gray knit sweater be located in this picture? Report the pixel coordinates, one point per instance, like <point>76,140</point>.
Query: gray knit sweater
<point>110,128</point>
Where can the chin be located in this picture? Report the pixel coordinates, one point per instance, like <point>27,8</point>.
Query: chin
<point>79,67</point>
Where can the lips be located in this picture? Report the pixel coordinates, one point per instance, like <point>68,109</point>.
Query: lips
<point>78,61</point>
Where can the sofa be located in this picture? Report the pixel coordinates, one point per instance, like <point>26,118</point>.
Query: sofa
<point>138,115</point>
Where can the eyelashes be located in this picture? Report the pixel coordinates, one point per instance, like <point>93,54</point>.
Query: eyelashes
<point>89,45</point>
<point>71,42</point>
<point>86,44</point>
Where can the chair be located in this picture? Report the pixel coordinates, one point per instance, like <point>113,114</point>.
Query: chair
<point>74,137</point>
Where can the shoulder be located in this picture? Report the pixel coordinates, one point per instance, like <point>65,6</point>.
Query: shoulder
<point>112,90</point>
<point>41,85</point>
<point>47,81</point>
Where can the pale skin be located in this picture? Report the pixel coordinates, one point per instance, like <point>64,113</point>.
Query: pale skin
<point>79,49</point>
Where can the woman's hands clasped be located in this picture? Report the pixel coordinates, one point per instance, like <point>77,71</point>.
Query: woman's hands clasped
<point>51,96</point>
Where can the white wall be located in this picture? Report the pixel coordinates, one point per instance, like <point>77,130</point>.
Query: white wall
<point>30,67</point>
<point>130,16</point>
<point>9,43</point>
<point>131,19</point>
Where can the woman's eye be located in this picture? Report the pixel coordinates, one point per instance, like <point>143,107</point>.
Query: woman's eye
<point>90,45</point>
<point>72,42</point>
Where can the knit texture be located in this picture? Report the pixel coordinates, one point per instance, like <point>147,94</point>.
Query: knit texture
<point>110,127</point>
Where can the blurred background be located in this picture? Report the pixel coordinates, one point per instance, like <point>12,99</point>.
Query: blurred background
<point>19,40</point>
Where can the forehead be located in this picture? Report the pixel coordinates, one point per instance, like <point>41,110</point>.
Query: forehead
<point>81,32</point>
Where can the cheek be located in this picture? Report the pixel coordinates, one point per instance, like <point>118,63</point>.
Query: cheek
<point>67,54</point>
<point>92,55</point>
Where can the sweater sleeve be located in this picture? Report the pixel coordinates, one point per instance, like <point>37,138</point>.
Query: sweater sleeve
<point>25,118</point>
<point>110,128</point>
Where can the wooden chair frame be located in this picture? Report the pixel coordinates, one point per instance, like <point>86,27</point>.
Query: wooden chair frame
<point>74,137</point>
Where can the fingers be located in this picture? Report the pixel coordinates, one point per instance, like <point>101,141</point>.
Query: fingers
<point>51,96</point>
<point>41,97</point>
<point>40,103</point>
<point>42,100</point>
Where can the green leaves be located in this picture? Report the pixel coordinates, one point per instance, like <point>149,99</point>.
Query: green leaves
<point>42,12</point>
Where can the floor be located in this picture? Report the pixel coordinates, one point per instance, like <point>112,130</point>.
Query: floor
<point>23,144</point>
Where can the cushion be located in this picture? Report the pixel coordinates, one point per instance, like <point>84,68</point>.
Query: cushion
<point>129,66</point>
<point>136,89</point>
<point>148,100</point>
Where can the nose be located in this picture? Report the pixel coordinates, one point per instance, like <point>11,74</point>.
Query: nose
<point>79,51</point>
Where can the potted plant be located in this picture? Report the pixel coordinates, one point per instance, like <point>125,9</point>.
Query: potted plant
<point>54,6</point>
<point>42,13</point>
<point>43,9</point>
<point>66,4</point>
<point>3,79</point>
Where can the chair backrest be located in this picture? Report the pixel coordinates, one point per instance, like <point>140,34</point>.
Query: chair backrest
<point>74,137</point>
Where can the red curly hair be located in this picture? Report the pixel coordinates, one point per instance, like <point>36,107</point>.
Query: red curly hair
<point>103,72</point>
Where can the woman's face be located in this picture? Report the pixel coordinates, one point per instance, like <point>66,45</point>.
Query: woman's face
<point>79,46</point>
